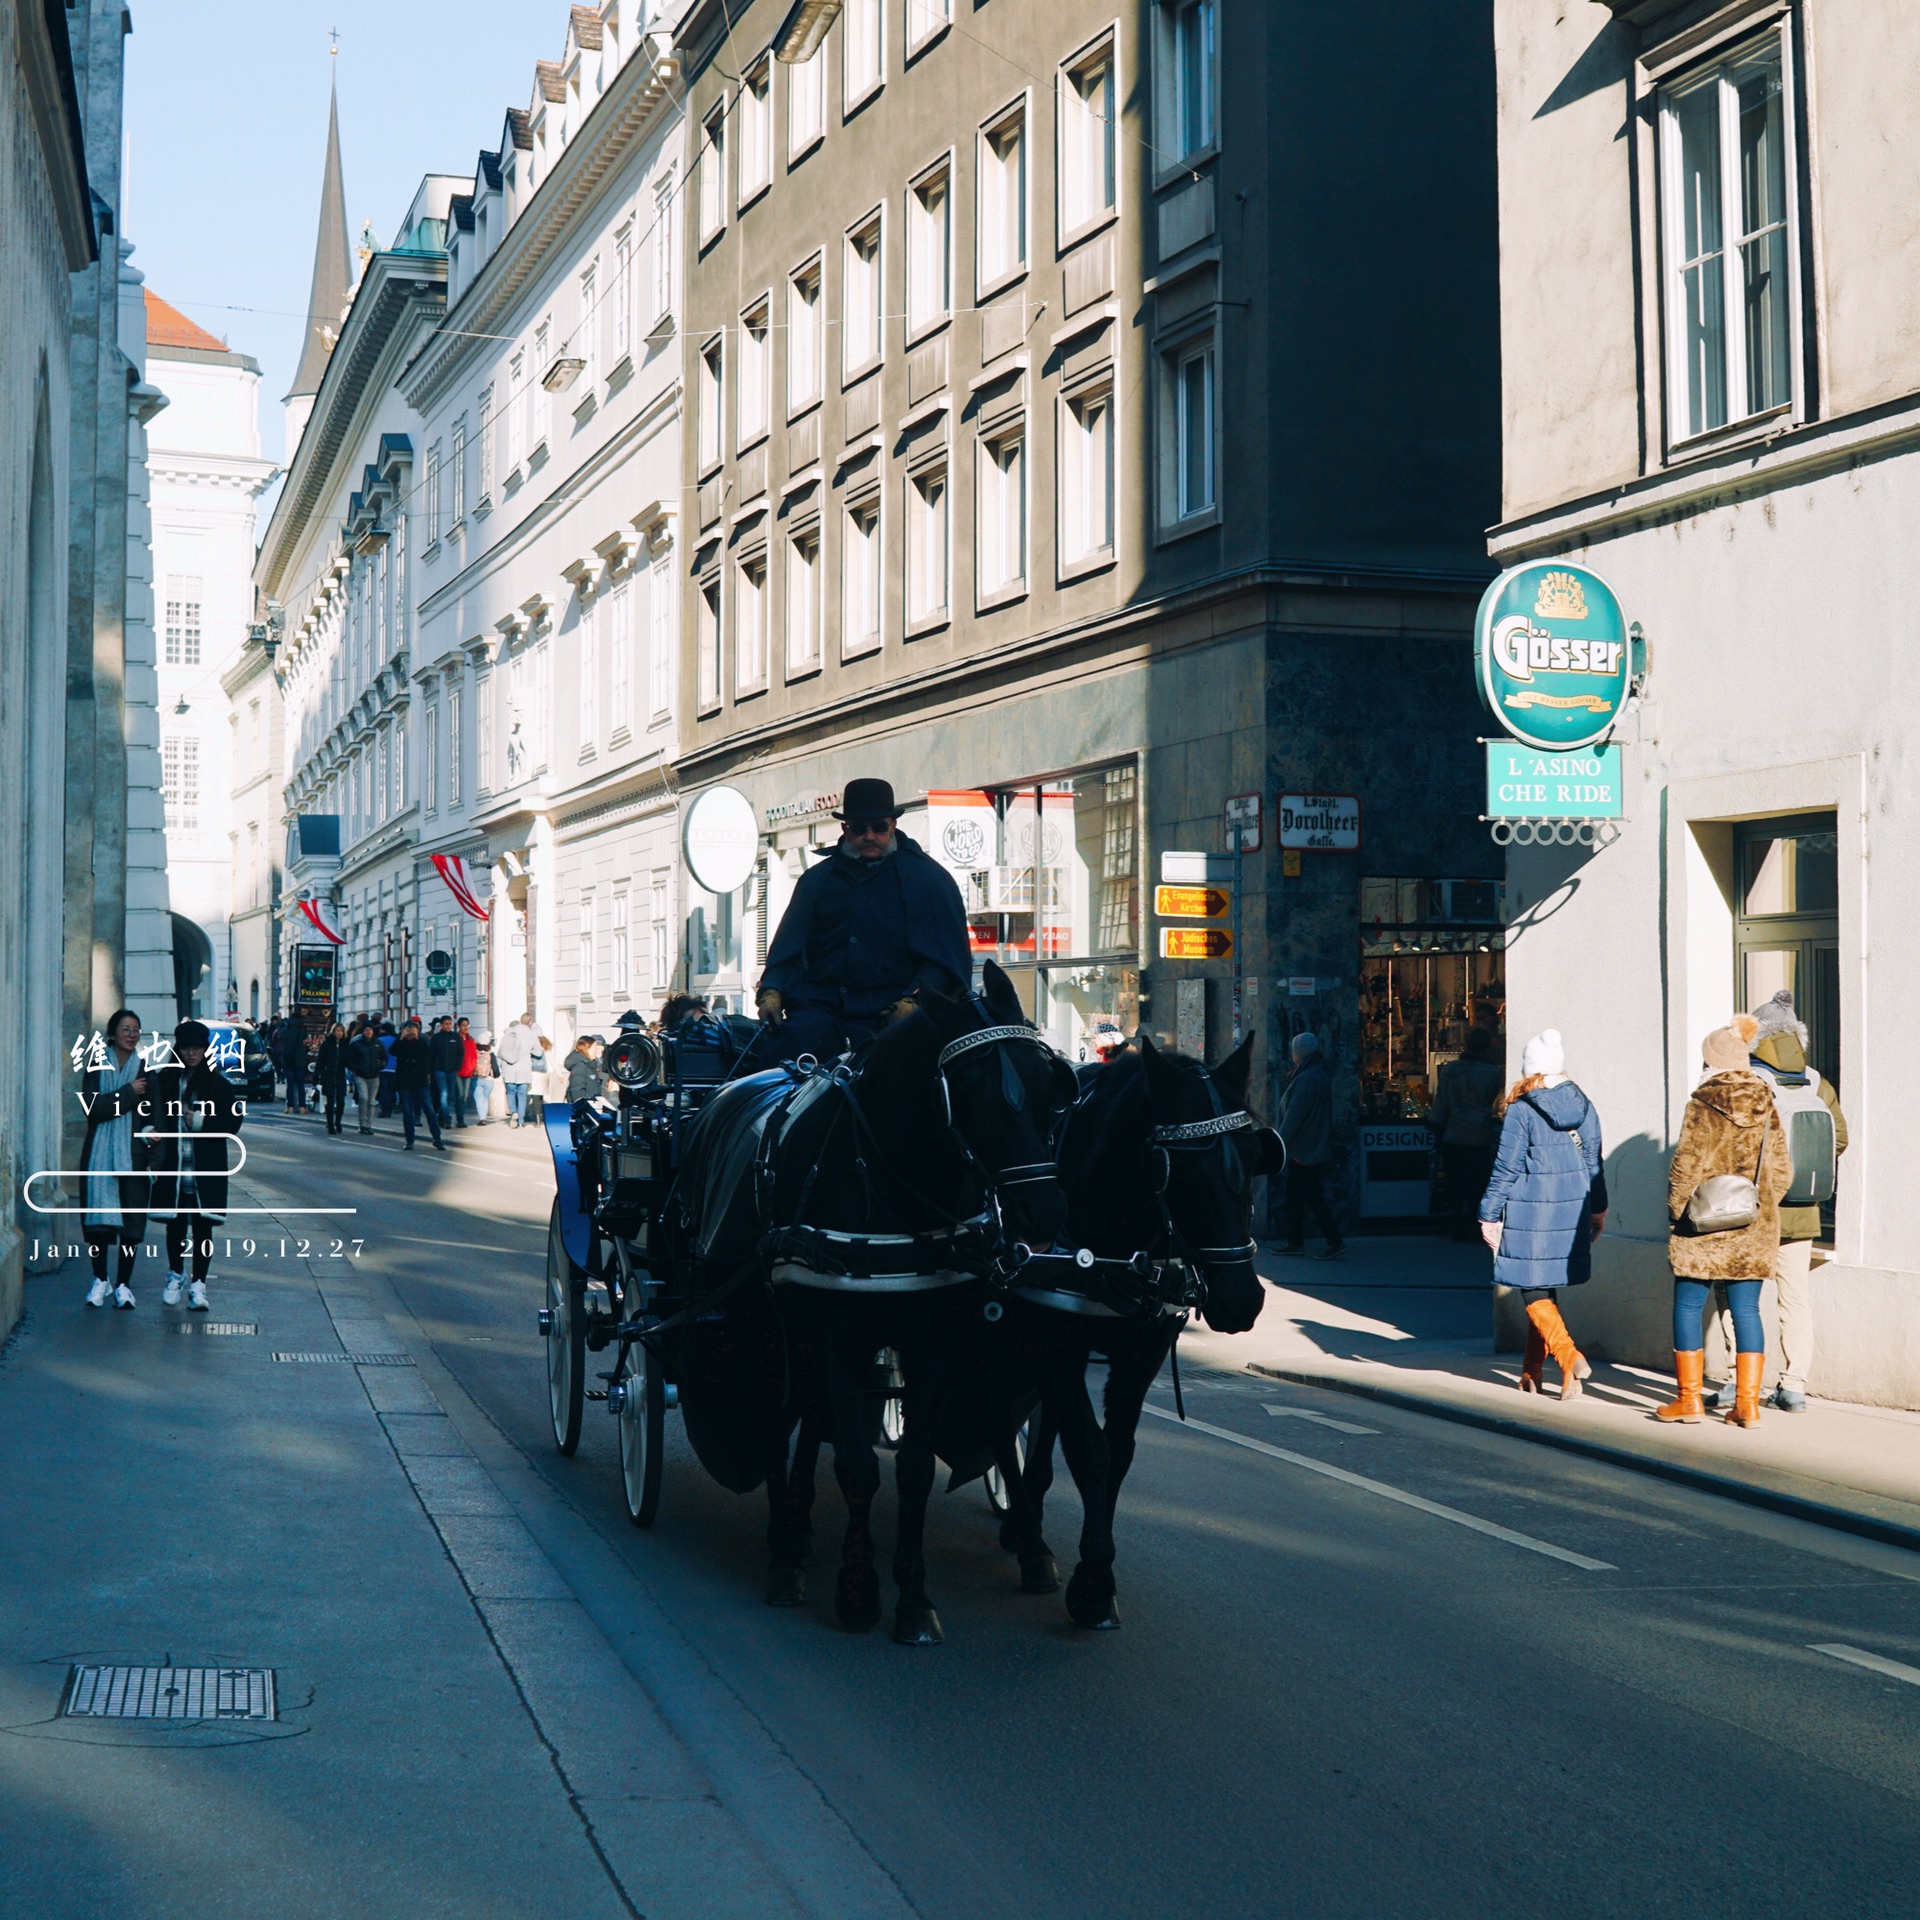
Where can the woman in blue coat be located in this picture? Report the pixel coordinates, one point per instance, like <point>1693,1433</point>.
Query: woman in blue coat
<point>1546,1204</point>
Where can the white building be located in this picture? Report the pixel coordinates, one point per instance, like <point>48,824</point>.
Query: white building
<point>546,660</point>
<point>204,474</point>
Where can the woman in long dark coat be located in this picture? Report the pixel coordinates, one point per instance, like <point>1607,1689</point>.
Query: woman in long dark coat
<point>190,1112</point>
<point>333,1076</point>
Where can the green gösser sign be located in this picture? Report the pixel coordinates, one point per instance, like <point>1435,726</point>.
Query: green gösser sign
<point>1552,655</point>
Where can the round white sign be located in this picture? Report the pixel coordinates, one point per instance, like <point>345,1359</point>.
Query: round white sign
<point>721,839</point>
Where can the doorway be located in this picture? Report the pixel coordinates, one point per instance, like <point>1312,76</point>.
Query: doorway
<point>1787,928</point>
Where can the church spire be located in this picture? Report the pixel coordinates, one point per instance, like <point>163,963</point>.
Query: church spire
<point>332,272</point>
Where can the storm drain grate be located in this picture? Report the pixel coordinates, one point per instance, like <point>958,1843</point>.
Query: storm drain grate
<point>171,1693</point>
<point>214,1326</point>
<point>342,1359</point>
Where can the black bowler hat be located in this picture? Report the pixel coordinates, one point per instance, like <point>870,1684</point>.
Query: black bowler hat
<point>868,800</point>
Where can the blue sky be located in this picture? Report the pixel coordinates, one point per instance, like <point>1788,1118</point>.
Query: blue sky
<point>226,121</point>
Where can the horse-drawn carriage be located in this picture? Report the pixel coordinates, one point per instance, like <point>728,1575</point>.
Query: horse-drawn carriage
<point>922,1245</point>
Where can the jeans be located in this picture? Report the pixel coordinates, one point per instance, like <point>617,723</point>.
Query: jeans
<point>480,1091</point>
<point>416,1104</point>
<point>516,1099</point>
<point>446,1094</point>
<point>296,1089</point>
<point>389,1093</point>
<point>366,1094</point>
<point>1690,1299</point>
<point>820,1031</point>
<point>1305,1190</point>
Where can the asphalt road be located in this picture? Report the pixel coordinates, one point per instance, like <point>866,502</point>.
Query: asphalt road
<point>1371,1662</point>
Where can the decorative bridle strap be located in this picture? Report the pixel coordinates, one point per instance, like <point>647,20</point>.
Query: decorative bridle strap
<point>987,1037</point>
<point>1193,1132</point>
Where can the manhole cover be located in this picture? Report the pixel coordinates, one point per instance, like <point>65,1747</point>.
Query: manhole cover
<point>213,1326</point>
<point>342,1359</point>
<point>171,1693</point>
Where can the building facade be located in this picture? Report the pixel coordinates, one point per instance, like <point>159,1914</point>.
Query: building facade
<point>204,475</point>
<point>255,809</point>
<point>1065,446</point>
<point>546,668</point>
<point>1710,226</point>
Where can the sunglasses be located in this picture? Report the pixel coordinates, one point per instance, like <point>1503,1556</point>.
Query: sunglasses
<point>868,829</point>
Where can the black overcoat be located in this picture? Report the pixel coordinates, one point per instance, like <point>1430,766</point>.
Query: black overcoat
<point>200,1102</point>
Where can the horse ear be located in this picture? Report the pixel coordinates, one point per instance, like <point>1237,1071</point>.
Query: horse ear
<point>998,992</point>
<point>1233,1073</point>
<point>1162,1075</point>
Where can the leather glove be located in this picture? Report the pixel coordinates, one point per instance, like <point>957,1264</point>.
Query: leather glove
<point>902,1007</point>
<point>770,1006</point>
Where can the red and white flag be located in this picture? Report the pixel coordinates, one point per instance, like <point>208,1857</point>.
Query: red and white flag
<point>320,917</point>
<point>453,870</point>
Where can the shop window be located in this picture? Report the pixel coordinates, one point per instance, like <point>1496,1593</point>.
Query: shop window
<point>1787,928</point>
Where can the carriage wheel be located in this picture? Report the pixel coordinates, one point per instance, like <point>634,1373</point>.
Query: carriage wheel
<point>996,1481</point>
<point>643,1414</point>
<point>566,1339</point>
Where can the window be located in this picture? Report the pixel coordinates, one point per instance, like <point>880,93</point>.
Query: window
<point>453,746</point>
<point>180,780</point>
<point>712,378</point>
<point>861,44</point>
<point>400,577</point>
<point>537,391</point>
<point>1086,477</point>
<point>589,671</point>
<point>257,741</point>
<point>925,18</point>
<point>397,764</point>
<point>750,624</point>
<point>657,932</point>
<point>803,604</point>
<point>1730,320</point>
<point>709,661</point>
<point>619,980</point>
<point>860,572</point>
<point>430,767</point>
<point>1187,431</point>
<point>929,252</point>
<point>1086,140</point>
<point>433,493</point>
<point>183,619</point>
<point>1187,79</point>
<point>756,132</point>
<point>713,174</point>
<point>662,651</point>
<point>587,981</point>
<point>806,103</point>
<point>484,744</point>
<point>756,355</point>
<point>459,512</point>
<point>485,497</point>
<point>589,331</point>
<point>862,320</point>
<point>516,410</point>
<point>1002,528</point>
<point>1003,197</point>
<point>663,229</point>
<point>622,317</point>
<point>927,548</point>
<point>620,658</point>
<point>803,338</point>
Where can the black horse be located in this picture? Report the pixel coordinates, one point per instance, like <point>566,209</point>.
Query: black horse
<point>883,1196</point>
<point>1159,1156</point>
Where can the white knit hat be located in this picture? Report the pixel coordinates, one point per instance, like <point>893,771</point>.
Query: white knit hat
<point>1544,1053</point>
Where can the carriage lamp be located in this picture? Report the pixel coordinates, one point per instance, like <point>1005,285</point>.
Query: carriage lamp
<point>634,1059</point>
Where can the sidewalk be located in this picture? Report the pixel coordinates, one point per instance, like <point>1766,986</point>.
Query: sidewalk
<point>1409,1322</point>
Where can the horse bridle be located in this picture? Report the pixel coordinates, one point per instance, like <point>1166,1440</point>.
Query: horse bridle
<point>1028,1174</point>
<point>1192,1136</point>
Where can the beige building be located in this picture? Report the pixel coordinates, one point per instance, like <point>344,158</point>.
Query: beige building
<point>1710,256</point>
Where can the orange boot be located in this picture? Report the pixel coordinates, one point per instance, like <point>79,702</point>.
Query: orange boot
<point>1747,1369</point>
<point>1691,1369</point>
<point>1535,1363</point>
<point>1545,1318</point>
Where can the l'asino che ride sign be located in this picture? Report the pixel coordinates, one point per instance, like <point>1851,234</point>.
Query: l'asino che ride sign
<point>1551,654</point>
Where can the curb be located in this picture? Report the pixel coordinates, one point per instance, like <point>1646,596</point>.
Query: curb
<point>1892,1533</point>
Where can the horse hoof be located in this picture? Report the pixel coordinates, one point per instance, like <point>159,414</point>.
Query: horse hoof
<point>1090,1603</point>
<point>917,1627</point>
<point>786,1587</point>
<point>856,1604</point>
<point>1009,1537</point>
<point>1041,1574</point>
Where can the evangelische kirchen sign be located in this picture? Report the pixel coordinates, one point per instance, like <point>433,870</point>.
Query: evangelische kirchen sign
<point>1552,655</point>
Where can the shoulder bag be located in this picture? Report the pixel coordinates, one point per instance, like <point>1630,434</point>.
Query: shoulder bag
<point>1726,1202</point>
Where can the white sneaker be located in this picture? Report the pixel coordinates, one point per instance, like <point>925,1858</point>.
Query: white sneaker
<point>197,1296</point>
<point>123,1295</point>
<point>175,1282</point>
<point>97,1294</point>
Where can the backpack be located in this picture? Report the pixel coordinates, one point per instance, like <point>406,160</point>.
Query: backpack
<point>1808,1128</point>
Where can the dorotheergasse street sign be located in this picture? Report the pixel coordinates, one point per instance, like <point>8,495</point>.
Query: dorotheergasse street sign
<point>1525,784</point>
<point>1552,655</point>
<point>1329,822</point>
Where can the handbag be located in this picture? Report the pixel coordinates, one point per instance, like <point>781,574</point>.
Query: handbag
<point>1726,1202</point>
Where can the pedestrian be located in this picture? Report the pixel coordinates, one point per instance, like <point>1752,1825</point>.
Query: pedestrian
<point>1545,1204</point>
<point>537,1087</point>
<point>1463,1124</point>
<point>483,1077</point>
<point>585,1081</point>
<point>514,1056</point>
<point>413,1074</point>
<point>1780,1059</point>
<point>366,1060</point>
<point>332,1065</point>
<point>389,1086</point>
<point>294,1056</point>
<point>1306,1125</point>
<point>1730,1232</point>
<point>114,1192</point>
<point>679,1007</point>
<point>443,1044</point>
<point>465,1073</point>
<point>189,1114</point>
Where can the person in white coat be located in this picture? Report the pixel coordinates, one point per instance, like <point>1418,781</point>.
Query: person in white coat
<point>514,1056</point>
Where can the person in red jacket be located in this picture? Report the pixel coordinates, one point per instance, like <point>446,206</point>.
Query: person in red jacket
<point>469,1064</point>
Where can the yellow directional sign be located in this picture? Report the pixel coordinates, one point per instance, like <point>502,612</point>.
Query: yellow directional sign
<point>1195,943</point>
<point>1191,903</point>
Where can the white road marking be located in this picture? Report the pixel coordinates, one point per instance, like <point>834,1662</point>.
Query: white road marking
<point>1873,1662</point>
<point>1318,1419</point>
<point>1386,1492</point>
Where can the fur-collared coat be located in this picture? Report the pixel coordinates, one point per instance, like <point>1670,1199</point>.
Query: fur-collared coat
<point>1721,1134</point>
